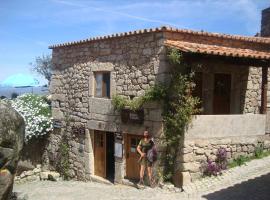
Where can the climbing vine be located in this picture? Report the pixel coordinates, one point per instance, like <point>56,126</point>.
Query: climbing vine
<point>179,106</point>
<point>62,163</point>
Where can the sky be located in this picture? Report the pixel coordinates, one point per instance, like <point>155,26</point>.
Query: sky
<point>28,27</point>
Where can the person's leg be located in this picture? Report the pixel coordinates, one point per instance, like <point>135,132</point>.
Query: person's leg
<point>142,173</point>
<point>150,174</point>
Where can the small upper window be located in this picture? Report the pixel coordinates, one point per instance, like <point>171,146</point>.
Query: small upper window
<point>102,84</point>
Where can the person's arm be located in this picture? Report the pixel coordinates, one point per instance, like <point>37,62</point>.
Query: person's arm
<point>139,149</point>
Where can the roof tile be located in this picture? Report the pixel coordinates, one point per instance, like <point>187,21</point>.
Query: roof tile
<point>168,29</point>
<point>217,50</point>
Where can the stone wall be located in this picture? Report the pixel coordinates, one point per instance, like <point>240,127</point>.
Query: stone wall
<point>209,126</point>
<point>197,151</point>
<point>207,133</point>
<point>251,96</point>
<point>265,23</point>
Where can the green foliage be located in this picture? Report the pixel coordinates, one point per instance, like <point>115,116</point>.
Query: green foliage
<point>119,102</point>
<point>258,153</point>
<point>178,109</point>
<point>241,160</point>
<point>14,95</point>
<point>63,162</point>
<point>174,57</point>
<point>154,93</point>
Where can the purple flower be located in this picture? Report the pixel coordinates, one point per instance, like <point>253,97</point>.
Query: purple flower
<point>221,162</point>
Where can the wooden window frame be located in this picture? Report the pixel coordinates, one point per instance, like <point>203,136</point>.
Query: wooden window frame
<point>103,87</point>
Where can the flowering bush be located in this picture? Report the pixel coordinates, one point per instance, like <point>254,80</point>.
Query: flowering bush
<point>212,168</point>
<point>215,167</point>
<point>222,159</point>
<point>36,113</point>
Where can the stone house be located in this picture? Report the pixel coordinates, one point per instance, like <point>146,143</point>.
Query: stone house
<point>232,84</point>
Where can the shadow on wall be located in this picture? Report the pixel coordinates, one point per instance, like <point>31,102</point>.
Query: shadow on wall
<point>32,154</point>
<point>257,188</point>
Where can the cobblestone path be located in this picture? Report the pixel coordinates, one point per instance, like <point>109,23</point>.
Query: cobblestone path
<point>249,182</point>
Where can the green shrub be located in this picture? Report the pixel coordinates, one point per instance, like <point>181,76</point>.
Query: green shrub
<point>14,95</point>
<point>63,160</point>
<point>258,153</point>
<point>119,102</point>
<point>154,93</point>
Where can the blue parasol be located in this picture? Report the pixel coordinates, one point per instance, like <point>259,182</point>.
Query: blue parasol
<point>20,80</point>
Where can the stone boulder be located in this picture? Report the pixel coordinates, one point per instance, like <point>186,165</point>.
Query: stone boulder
<point>12,129</point>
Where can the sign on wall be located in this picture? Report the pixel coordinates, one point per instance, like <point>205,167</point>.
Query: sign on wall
<point>129,116</point>
<point>118,149</point>
<point>78,130</point>
<point>118,146</point>
<point>57,123</point>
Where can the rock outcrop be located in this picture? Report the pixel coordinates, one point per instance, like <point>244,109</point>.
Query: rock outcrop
<point>12,130</point>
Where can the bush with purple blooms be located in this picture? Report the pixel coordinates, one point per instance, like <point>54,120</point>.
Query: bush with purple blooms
<point>222,159</point>
<point>211,168</point>
<point>215,167</point>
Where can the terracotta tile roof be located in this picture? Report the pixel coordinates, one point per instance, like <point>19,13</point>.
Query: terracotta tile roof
<point>167,29</point>
<point>217,50</point>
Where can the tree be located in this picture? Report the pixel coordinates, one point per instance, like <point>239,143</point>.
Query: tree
<point>14,95</point>
<point>43,66</point>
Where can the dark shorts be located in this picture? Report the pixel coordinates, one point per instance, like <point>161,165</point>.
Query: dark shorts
<point>145,162</point>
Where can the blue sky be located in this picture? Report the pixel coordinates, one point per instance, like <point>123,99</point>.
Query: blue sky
<point>28,27</point>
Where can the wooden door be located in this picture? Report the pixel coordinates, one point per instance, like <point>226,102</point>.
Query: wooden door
<point>222,94</point>
<point>100,153</point>
<point>132,157</point>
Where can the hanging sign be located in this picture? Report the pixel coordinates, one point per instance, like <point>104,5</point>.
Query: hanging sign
<point>129,116</point>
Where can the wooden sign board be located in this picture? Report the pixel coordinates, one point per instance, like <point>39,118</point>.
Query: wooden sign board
<point>134,116</point>
<point>129,116</point>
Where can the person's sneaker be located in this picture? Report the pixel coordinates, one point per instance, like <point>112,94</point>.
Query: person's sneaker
<point>140,184</point>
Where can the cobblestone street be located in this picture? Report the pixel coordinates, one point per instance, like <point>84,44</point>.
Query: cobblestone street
<point>241,183</point>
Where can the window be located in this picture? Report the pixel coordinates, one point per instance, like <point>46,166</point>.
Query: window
<point>102,84</point>
<point>133,144</point>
